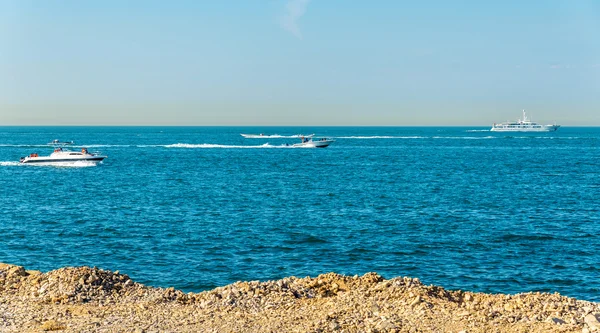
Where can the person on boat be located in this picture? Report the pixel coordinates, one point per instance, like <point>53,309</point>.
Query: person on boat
<point>84,150</point>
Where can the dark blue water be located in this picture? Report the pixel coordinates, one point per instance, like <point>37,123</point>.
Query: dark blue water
<point>199,207</point>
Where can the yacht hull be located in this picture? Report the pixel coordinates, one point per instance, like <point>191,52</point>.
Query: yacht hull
<point>314,144</point>
<point>548,128</point>
<point>32,160</point>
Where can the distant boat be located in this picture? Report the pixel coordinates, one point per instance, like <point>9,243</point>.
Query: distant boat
<point>310,143</point>
<point>60,156</point>
<point>523,125</point>
<point>254,136</point>
<point>275,136</point>
<point>60,143</point>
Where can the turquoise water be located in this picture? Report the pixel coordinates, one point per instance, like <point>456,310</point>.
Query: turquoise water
<point>200,207</point>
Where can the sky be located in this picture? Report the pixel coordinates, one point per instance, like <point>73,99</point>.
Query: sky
<point>299,62</point>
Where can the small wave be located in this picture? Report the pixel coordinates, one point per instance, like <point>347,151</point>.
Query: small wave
<point>9,163</point>
<point>305,239</point>
<point>519,237</point>
<point>543,137</point>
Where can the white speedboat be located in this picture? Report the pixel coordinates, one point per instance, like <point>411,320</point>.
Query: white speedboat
<point>60,156</point>
<point>523,125</point>
<point>310,143</point>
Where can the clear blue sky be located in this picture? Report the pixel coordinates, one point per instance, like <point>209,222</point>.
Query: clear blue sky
<point>298,62</point>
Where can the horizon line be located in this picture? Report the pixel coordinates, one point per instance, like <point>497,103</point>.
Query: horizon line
<point>1,126</point>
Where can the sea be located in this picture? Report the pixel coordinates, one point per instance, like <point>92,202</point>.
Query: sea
<point>199,207</point>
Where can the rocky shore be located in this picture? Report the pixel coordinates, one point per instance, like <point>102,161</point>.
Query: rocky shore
<point>84,299</point>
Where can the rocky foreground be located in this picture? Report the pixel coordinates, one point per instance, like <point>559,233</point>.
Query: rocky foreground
<point>84,299</point>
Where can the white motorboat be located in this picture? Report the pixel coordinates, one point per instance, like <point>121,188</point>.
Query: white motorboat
<point>275,136</point>
<point>60,156</point>
<point>310,143</point>
<point>523,125</point>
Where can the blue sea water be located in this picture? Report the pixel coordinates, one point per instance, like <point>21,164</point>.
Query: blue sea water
<point>200,207</point>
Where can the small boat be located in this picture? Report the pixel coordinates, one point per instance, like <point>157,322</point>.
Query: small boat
<point>275,136</point>
<point>60,143</point>
<point>310,143</point>
<point>60,156</point>
<point>523,125</point>
<point>253,136</point>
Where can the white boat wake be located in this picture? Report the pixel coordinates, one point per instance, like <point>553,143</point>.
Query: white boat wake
<point>464,137</point>
<point>380,137</point>
<point>216,146</point>
<point>23,146</point>
<point>276,136</point>
<point>414,137</point>
<point>9,163</point>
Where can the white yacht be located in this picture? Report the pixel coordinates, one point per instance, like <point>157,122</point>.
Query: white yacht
<point>523,125</point>
<point>60,156</point>
<point>310,143</point>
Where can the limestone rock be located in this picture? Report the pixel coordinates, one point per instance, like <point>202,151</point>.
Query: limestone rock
<point>592,321</point>
<point>52,325</point>
<point>85,299</point>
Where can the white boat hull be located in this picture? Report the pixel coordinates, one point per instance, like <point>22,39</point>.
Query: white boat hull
<point>48,159</point>
<point>542,128</point>
<point>314,144</point>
